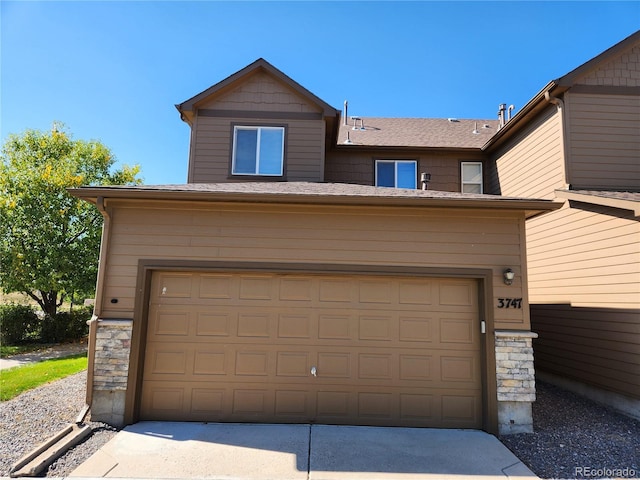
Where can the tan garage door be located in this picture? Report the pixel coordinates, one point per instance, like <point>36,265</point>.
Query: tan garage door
<point>344,349</point>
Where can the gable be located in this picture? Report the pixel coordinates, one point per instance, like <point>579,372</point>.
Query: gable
<point>258,84</point>
<point>261,92</point>
<point>617,66</point>
<point>623,71</point>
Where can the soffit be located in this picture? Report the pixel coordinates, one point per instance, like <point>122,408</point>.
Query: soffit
<point>623,200</point>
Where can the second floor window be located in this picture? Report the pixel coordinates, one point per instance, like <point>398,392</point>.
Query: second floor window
<point>258,151</point>
<point>396,173</point>
<point>471,173</point>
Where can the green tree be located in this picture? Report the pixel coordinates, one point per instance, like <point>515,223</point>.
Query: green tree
<point>49,240</point>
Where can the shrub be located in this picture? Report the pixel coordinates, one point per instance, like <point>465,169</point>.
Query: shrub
<point>66,325</point>
<point>18,323</point>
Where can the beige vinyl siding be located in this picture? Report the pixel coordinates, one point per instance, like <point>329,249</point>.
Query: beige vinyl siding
<point>211,153</point>
<point>598,346</point>
<point>584,290</point>
<point>316,235</point>
<point>358,167</point>
<point>604,140</point>
<point>588,258</point>
<point>532,163</point>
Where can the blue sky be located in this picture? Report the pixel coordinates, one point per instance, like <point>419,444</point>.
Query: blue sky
<point>113,71</point>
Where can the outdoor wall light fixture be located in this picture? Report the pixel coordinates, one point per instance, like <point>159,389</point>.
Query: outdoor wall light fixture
<point>509,275</point>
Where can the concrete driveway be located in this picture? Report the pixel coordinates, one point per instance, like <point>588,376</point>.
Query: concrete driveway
<point>315,452</point>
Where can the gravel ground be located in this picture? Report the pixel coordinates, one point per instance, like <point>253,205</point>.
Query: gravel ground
<point>30,418</point>
<point>573,434</point>
<point>570,432</point>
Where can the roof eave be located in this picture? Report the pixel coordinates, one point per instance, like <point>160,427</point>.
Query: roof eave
<point>353,146</point>
<point>519,120</point>
<point>603,201</point>
<point>530,207</point>
<point>570,78</point>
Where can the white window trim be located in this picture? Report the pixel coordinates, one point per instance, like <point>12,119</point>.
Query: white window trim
<point>395,172</point>
<point>463,183</point>
<point>257,128</point>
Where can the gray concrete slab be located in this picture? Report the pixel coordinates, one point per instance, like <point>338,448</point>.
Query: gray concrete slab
<point>207,451</point>
<point>349,453</point>
<point>173,450</point>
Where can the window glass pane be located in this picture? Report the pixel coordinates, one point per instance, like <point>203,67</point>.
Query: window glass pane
<point>271,143</point>
<point>406,175</point>
<point>472,172</point>
<point>385,174</point>
<point>245,148</point>
<point>471,188</point>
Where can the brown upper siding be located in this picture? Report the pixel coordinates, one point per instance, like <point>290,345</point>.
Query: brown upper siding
<point>604,141</point>
<point>211,157</point>
<point>261,92</point>
<point>357,166</point>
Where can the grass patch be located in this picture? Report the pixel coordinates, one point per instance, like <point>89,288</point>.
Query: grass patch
<point>14,381</point>
<point>8,350</point>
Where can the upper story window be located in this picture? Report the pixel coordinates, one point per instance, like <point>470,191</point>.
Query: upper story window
<point>258,151</point>
<point>471,177</point>
<point>396,173</point>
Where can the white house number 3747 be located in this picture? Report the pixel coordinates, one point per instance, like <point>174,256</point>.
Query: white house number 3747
<point>509,303</point>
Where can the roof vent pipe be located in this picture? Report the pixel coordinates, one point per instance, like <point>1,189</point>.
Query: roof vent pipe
<point>501,115</point>
<point>346,108</point>
<point>511,108</point>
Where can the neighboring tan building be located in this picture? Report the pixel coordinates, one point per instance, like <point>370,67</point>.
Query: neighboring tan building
<point>282,283</point>
<point>578,141</point>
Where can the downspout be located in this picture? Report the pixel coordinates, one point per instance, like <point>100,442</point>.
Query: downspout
<point>563,133</point>
<point>97,308</point>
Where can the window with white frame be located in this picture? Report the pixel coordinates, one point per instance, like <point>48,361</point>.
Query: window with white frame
<point>471,177</point>
<point>258,151</point>
<point>396,173</point>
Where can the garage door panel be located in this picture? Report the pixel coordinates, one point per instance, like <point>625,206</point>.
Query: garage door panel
<point>377,327</point>
<point>334,326</point>
<point>254,324</point>
<point>416,329</point>
<point>458,368</point>
<point>212,324</point>
<point>298,326</point>
<point>387,350</point>
<point>458,330</point>
<point>210,363</point>
<point>209,402</point>
<point>293,403</point>
<point>459,410</point>
<point>292,364</point>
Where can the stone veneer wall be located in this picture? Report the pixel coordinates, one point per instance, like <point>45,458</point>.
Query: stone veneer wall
<point>110,372</point>
<point>515,375</point>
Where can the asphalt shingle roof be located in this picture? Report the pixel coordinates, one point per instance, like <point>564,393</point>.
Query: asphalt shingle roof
<point>305,189</point>
<point>417,132</point>
<point>628,196</point>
